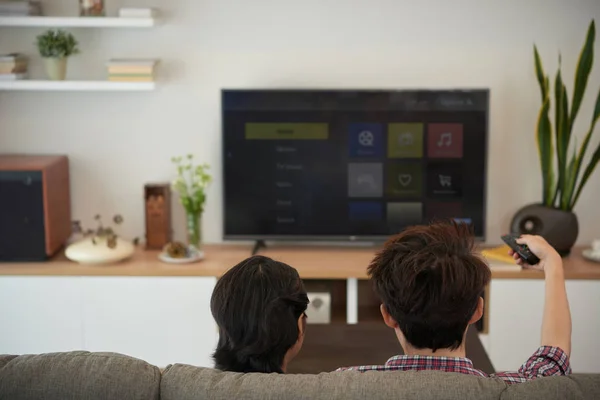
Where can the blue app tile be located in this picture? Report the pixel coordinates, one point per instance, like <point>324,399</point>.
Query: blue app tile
<point>366,139</point>
<point>366,211</point>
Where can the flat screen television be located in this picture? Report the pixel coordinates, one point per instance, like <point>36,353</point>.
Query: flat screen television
<point>351,164</point>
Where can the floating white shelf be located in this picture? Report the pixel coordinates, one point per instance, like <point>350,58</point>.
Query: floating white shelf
<point>78,22</point>
<point>77,86</point>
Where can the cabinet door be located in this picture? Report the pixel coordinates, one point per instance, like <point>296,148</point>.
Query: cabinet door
<point>160,320</point>
<point>40,314</point>
<point>516,311</point>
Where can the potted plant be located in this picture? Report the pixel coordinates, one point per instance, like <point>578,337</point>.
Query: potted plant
<point>565,168</point>
<point>191,184</point>
<point>55,46</point>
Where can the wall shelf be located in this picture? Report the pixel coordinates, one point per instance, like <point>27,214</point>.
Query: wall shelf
<point>77,86</point>
<point>78,22</point>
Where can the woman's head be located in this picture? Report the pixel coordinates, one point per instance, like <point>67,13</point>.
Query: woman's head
<point>259,307</point>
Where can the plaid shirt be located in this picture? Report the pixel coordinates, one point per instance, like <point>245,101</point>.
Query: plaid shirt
<point>546,361</point>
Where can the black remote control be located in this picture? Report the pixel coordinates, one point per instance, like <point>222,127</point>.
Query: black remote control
<point>521,249</point>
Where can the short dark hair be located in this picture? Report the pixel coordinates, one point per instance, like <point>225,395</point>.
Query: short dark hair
<point>429,278</point>
<point>256,305</point>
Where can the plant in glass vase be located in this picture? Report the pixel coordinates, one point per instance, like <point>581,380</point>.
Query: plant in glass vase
<point>191,184</point>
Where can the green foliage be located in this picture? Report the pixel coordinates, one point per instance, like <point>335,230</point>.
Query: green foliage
<point>56,43</point>
<point>191,183</point>
<point>564,191</point>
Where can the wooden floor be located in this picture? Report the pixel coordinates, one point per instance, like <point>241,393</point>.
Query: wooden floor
<point>328,347</point>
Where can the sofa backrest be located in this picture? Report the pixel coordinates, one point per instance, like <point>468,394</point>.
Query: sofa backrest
<point>184,382</point>
<point>95,376</point>
<point>77,375</point>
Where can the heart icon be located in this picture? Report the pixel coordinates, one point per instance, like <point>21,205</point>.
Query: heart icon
<point>405,179</point>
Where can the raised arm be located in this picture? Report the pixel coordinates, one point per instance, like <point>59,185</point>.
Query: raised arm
<point>556,324</point>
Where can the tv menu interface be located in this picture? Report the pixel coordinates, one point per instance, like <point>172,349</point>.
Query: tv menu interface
<point>352,163</point>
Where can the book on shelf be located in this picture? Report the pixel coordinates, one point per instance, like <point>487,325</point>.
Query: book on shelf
<point>19,8</point>
<point>13,77</point>
<point>118,78</point>
<point>12,57</point>
<point>132,12</point>
<point>125,69</point>
<point>129,62</point>
<point>131,70</point>
<point>14,63</point>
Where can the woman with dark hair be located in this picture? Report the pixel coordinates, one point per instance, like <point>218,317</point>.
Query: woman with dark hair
<point>259,308</point>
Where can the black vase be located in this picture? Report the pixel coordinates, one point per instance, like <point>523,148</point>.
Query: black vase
<point>560,228</point>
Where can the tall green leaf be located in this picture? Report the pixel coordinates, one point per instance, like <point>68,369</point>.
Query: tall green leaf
<point>546,151</point>
<point>569,178</point>
<point>583,150</point>
<point>563,134</point>
<point>539,72</point>
<point>588,172</point>
<point>584,66</point>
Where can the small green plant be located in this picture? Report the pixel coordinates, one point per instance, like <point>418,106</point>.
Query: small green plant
<point>56,43</point>
<point>191,183</point>
<point>563,191</point>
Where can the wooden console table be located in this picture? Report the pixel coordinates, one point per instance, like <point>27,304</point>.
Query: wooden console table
<point>314,262</point>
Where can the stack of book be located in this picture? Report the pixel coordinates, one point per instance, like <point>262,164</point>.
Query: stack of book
<point>13,67</point>
<point>130,70</point>
<point>14,8</point>
<point>130,12</point>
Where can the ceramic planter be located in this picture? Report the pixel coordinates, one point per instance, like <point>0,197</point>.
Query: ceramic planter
<point>560,228</point>
<point>56,68</point>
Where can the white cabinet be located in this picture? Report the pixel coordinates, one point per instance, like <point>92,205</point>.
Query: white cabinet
<point>161,320</point>
<point>166,320</point>
<point>516,310</point>
<point>40,315</point>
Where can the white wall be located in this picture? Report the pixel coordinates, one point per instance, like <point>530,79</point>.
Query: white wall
<point>119,141</point>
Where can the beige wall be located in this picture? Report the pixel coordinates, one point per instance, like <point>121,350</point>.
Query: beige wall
<point>119,141</point>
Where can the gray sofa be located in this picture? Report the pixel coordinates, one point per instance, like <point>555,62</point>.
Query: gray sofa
<point>95,376</point>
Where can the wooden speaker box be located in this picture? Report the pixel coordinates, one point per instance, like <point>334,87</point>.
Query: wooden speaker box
<point>35,206</point>
<point>158,215</point>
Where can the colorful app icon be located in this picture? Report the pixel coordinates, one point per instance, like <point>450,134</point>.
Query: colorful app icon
<point>405,140</point>
<point>404,180</point>
<point>445,141</point>
<point>365,211</point>
<point>402,215</point>
<point>365,180</point>
<point>366,139</point>
<point>444,180</point>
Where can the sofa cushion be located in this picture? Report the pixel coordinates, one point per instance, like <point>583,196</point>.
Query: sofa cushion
<point>579,386</point>
<point>77,375</point>
<point>184,382</point>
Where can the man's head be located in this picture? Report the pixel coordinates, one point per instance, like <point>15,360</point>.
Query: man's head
<point>430,282</point>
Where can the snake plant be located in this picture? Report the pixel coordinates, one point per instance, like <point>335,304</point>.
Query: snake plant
<point>562,183</point>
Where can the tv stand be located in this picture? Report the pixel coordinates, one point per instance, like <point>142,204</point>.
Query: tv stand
<point>260,244</point>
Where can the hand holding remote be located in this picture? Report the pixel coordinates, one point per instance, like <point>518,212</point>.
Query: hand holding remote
<point>549,258</point>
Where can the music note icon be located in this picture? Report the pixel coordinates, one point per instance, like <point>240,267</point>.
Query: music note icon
<point>445,139</point>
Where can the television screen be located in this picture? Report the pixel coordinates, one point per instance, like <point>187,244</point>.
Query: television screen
<point>351,164</point>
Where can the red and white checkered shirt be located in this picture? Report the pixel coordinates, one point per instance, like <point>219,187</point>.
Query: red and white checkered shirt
<point>546,361</point>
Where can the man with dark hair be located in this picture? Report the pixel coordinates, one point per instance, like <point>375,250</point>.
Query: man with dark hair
<point>430,281</point>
